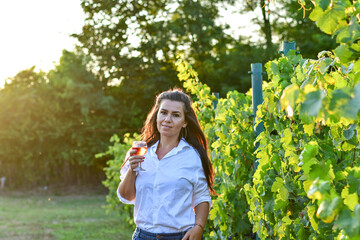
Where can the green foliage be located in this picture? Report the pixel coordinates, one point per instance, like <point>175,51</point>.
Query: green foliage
<point>52,125</point>
<point>231,154</point>
<point>231,145</point>
<point>117,152</point>
<point>314,152</point>
<point>306,185</point>
<point>136,43</point>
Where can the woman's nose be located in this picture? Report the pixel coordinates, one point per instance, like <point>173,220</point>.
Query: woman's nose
<point>168,118</point>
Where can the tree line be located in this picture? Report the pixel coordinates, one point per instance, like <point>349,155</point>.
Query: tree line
<point>53,123</point>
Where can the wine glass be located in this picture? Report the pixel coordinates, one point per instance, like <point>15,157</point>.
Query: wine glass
<point>141,149</point>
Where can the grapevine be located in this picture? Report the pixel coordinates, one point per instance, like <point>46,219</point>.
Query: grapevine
<point>307,182</point>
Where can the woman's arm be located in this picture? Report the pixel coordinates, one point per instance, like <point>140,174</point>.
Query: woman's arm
<point>127,186</point>
<point>201,215</point>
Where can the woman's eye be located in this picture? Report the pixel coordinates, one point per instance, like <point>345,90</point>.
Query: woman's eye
<point>176,115</point>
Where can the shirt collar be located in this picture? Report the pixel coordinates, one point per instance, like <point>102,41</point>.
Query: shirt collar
<point>182,144</point>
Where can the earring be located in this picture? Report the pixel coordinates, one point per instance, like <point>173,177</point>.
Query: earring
<point>185,132</point>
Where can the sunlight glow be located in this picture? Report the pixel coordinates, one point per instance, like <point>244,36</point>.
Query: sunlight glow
<point>35,33</point>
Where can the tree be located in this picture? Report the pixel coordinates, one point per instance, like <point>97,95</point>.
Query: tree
<point>20,128</point>
<point>53,124</point>
<point>286,20</point>
<point>136,43</point>
<point>264,23</point>
<point>87,115</point>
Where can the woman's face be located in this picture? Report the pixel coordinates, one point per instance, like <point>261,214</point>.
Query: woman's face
<point>170,118</point>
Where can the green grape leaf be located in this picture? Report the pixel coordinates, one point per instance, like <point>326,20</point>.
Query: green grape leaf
<point>353,179</point>
<point>294,161</point>
<point>310,151</point>
<point>353,106</point>
<point>221,135</point>
<point>283,193</point>
<point>357,77</point>
<point>350,200</point>
<point>309,128</point>
<point>318,189</point>
<point>356,67</point>
<point>279,187</point>
<point>349,32</point>
<point>345,220</point>
<point>350,223</point>
<point>347,146</point>
<point>346,70</point>
<point>316,13</point>
<point>325,64</point>
<point>311,209</point>
<point>274,68</point>
<point>349,132</point>
<point>321,171</point>
<point>221,116</point>
<point>307,184</point>
<point>340,175</point>
<point>357,7</point>
<point>287,137</point>
<point>328,209</point>
<point>345,102</point>
<point>344,53</point>
<point>356,222</point>
<point>286,220</point>
<point>279,204</point>
<point>307,158</point>
<point>307,164</point>
<point>275,160</point>
<point>289,96</point>
<point>312,104</point>
<point>340,81</point>
<point>216,144</point>
<point>324,4</point>
<point>328,20</point>
<point>277,184</point>
<point>269,205</point>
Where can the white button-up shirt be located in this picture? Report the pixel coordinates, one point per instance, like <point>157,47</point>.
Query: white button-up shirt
<point>168,190</point>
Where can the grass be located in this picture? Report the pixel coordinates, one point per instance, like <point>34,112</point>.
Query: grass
<point>59,217</point>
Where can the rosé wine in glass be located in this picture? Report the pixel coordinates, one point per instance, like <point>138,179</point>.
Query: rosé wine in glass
<point>141,149</point>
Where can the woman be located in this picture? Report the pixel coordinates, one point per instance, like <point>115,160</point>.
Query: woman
<point>172,197</point>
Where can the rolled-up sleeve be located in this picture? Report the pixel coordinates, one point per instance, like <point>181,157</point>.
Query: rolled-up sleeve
<point>123,172</point>
<point>201,189</point>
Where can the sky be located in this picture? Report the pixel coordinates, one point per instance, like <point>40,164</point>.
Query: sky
<point>34,33</point>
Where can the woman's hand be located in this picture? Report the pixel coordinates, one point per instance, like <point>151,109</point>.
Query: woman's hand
<point>201,214</point>
<point>193,234</point>
<point>133,159</point>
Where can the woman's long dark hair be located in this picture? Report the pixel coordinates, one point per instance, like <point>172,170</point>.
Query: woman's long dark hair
<point>194,136</point>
